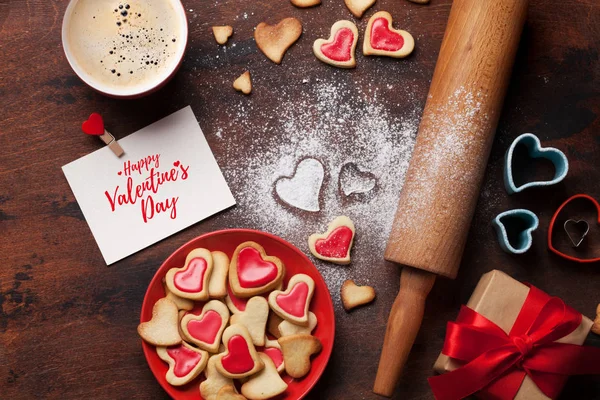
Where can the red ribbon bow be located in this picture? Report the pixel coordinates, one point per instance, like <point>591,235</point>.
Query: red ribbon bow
<point>497,363</point>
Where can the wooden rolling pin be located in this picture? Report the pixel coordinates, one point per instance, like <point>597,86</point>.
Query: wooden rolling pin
<point>448,164</point>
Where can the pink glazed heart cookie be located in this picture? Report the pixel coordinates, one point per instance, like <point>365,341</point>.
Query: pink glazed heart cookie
<point>339,49</point>
<point>335,244</point>
<point>292,304</point>
<point>191,280</point>
<point>205,330</point>
<point>383,40</point>
<point>253,272</point>
<point>185,362</point>
<point>240,358</point>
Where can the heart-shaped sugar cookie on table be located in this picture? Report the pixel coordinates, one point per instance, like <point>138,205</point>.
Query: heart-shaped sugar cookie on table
<point>254,318</point>
<point>354,295</point>
<point>243,83</point>
<point>334,245</point>
<point>339,49</point>
<point>293,303</point>
<point>191,280</point>
<point>383,40</point>
<point>305,3</point>
<point>297,350</point>
<point>253,272</point>
<point>94,125</point>
<point>205,330</point>
<point>240,358</point>
<point>303,189</point>
<point>358,7</point>
<point>162,329</point>
<point>265,384</point>
<point>214,382</point>
<point>185,362</point>
<point>274,40</point>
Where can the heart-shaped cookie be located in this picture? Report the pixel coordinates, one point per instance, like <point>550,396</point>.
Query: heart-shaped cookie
<point>205,330</point>
<point>274,40</point>
<point>297,350</point>
<point>265,384</point>
<point>303,189</point>
<point>553,221</point>
<point>354,180</point>
<point>185,362</point>
<point>217,284</point>
<point>191,280</point>
<point>293,303</point>
<point>521,223</point>
<point>383,40</point>
<point>335,244</point>
<point>240,358</point>
<point>254,318</point>
<point>162,329</point>
<point>234,303</point>
<point>358,7</point>
<point>253,272</point>
<point>94,125</point>
<point>286,328</point>
<point>209,389</point>
<point>305,3</point>
<point>354,295</point>
<point>243,83</point>
<point>273,350</point>
<point>535,150</point>
<point>339,49</point>
<point>229,392</point>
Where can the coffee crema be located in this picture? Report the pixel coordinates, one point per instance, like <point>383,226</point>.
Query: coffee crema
<point>125,46</point>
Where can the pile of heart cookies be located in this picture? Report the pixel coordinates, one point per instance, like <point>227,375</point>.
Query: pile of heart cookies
<point>231,320</point>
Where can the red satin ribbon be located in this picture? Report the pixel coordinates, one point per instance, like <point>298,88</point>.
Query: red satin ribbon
<point>497,363</point>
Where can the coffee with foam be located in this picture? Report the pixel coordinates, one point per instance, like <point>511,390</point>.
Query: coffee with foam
<point>124,47</point>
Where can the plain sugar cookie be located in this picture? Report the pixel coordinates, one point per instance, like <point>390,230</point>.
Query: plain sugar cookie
<point>243,83</point>
<point>354,295</point>
<point>222,33</point>
<point>274,40</point>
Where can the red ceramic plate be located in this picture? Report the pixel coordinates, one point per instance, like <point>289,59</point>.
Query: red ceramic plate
<point>295,262</point>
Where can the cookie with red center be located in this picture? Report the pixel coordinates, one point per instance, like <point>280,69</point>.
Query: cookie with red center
<point>240,358</point>
<point>339,49</point>
<point>191,280</point>
<point>292,304</point>
<point>253,272</point>
<point>273,350</point>
<point>335,244</point>
<point>185,362</point>
<point>205,330</point>
<point>383,40</point>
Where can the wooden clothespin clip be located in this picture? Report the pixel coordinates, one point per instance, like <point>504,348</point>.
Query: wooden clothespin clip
<point>95,126</point>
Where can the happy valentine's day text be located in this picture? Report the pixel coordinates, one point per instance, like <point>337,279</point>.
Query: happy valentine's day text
<point>145,190</point>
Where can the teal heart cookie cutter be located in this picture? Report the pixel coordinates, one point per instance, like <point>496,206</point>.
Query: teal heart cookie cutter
<point>535,150</point>
<point>524,238</point>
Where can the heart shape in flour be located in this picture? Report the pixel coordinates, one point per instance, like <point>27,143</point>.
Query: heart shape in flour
<point>353,180</point>
<point>383,40</point>
<point>293,303</point>
<point>185,362</point>
<point>339,49</point>
<point>303,189</point>
<point>205,330</point>
<point>240,358</point>
<point>191,280</point>
<point>253,272</point>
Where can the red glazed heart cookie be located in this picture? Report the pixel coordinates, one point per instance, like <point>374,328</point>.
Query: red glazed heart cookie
<point>292,304</point>
<point>191,281</point>
<point>185,362</point>
<point>383,40</point>
<point>253,272</point>
<point>240,358</point>
<point>335,244</point>
<point>339,49</point>
<point>205,330</point>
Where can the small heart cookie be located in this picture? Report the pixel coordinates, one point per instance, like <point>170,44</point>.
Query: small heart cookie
<point>180,302</point>
<point>254,318</point>
<point>274,40</point>
<point>297,350</point>
<point>339,49</point>
<point>273,350</point>
<point>383,40</point>
<point>205,330</point>
<point>228,392</point>
<point>335,244</point>
<point>209,389</point>
<point>162,329</point>
<point>358,7</point>
<point>191,280</point>
<point>286,328</point>
<point>243,83</point>
<point>354,295</point>
<point>222,33</point>
<point>305,3</point>
<point>253,272</point>
<point>266,384</point>
<point>292,304</point>
<point>217,284</point>
<point>185,362</point>
<point>240,358</point>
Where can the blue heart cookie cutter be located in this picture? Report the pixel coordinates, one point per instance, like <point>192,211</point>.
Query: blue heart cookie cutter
<point>535,149</point>
<point>523,239</point>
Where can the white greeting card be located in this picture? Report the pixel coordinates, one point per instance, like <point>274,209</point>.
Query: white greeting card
<point>167,180</point>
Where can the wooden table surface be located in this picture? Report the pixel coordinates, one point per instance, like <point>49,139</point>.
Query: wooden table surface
<point>68,322</point>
